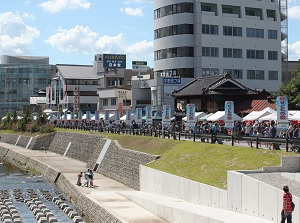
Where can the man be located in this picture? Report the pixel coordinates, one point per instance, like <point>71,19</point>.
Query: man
<point>287,210</point>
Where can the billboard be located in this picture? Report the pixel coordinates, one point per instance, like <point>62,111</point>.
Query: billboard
<point>140,66</point>
<point>114,61</point>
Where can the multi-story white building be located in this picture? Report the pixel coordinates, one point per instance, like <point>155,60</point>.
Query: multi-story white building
<point>195,38</point>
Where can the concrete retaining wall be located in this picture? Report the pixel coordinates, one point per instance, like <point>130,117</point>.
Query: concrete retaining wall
<point>245,195</point>
<point>118,163</point>
<point>161,183</point>
<point>123,165</point>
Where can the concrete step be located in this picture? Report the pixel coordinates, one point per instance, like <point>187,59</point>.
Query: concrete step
<point>179,211</point>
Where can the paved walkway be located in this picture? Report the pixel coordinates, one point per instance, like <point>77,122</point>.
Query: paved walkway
<point>108,193</point>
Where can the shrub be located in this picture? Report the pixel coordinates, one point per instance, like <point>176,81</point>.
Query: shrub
<point>47,128</point>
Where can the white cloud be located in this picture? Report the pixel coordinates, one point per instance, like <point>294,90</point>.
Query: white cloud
<point>82,40</point>
<point>28,16</point>
<point>54,6</point>
<point>294,12</point>
<point>78,39</point>
<point>294,51</point>
<point>132,11</point>
<point>15,36</point>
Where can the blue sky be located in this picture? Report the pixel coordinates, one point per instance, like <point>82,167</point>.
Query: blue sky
<point>72,31</point>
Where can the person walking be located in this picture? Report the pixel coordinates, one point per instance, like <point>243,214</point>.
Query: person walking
<point>286,213</point>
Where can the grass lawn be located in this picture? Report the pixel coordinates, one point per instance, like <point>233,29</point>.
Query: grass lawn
<point>203,162</point>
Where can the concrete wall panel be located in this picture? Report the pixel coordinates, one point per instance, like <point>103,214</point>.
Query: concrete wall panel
<point>175,187</point>
<point>250,196</point>
<point>143,177</point>
<point>268,202</point>
<point>223,199</point>
<point>184,190</point>
<point>205,195</point>
<point>177,216</point>
<point>158,182</point>
<point>151,181</point>
<point>234,185</point>
<point>194,192</point>
<point>201,219</point>
<point>166,184</point>
<point>215,197</point>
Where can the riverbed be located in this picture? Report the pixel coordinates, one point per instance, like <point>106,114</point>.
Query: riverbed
<point>17,187</point>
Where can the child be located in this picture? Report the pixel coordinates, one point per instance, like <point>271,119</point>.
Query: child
<point>79,179</point>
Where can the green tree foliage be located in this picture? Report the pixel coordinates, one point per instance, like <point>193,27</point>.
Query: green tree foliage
<point>292,90</point>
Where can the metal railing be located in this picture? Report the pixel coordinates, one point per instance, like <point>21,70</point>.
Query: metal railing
<point>211,138</point>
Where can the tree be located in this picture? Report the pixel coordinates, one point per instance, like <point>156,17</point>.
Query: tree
<point>292,90</point>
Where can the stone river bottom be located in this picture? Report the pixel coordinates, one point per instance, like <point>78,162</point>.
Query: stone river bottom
<point>28,199</point>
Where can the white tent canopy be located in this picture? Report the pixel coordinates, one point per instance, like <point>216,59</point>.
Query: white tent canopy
<point>294,115</point>
<point>270,117</point>
<point>255,115</point>
<point>198,115</point>
<point>123,118</point>
<point>205,117</point>
<point>220,115</point>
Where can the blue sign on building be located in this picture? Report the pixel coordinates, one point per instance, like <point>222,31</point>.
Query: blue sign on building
<point>114,61</point>
<point>176,80</point>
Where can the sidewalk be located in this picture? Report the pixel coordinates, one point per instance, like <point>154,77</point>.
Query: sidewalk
<point>123,202</point>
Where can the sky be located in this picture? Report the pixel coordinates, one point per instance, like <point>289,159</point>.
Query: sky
<point>73,31</point>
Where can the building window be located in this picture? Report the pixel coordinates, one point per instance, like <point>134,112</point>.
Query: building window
<point>232,31</point>
<point>174,30</point>
<point>174,52</point>
<point>255,75</point>
<point>273,75</point>
<point>129,83</point>
<point>272,55</point>
<point>105,102</point>
<point>232,53</point>
<point>210,29</point>
<point>255,54</point>
<point>210,52</point>
<point>210,71</point>
<point>255,33</point>
<point>113,101</point>
<point>272,34</point>
<point>234,73</point>
<point>184,7</point>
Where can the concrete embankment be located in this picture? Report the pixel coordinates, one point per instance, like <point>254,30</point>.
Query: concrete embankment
<point>63,155</point>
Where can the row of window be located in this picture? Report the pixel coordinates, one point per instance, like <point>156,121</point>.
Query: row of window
<point>174,52</point>
<point>237,31</point>
<point>213,52</point>
<point>173,9</point>
<point>113,101</point>
<point>212,8</point>
<point>238,73</point>
<point>238,53</point>
<point>213,30</point>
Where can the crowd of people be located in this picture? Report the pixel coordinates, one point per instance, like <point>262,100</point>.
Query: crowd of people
<point>88,178</point>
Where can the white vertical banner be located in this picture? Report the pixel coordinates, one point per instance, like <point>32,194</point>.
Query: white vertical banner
<point>128,117</point>
<point>97,117</point>
<point>138,116</point>
<point>166,118</point>
<point>88,116</point>
<point>229,114</point>
<point>149,115</point>
<point>117,117</point>
<point>282,112</point>
<point>190,115</point>
<point>106,117</point>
